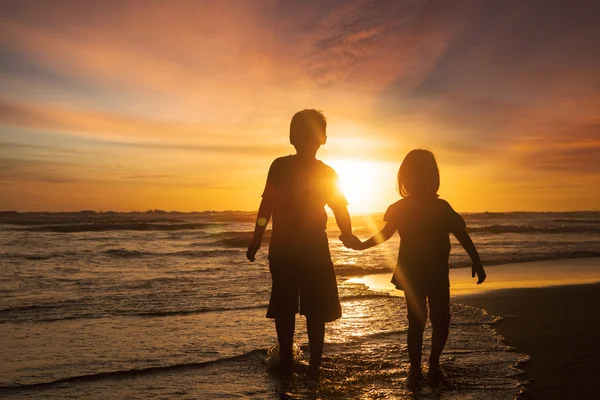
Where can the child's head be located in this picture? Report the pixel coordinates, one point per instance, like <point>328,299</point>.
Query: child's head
<point>308,128</point>
<point>418,174</point>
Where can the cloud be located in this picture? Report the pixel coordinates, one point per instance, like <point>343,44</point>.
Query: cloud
<point>571,150</point>
<point>148,176</point>
<point>22,170</point>
<point>487,85</point>
<point>16,147</point>
<point>91,123</point>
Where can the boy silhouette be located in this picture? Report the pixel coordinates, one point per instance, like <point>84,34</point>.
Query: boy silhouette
<point>297,189</point>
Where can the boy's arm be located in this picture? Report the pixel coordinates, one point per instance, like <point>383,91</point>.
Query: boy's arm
<point>262,219</point>
<point>386,233</point>
<point>465,240</point>
<point>342,218</point>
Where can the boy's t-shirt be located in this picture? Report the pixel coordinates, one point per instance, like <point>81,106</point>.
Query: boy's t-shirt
<point>300,189</point>
<point>424,225</point>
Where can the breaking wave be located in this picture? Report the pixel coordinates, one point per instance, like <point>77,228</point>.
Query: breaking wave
<point>132,373</point>
<point>124,253</point>
<point>535,229</point>
<point>117,226</point>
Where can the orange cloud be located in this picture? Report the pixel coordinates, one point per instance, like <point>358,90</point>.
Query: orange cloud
<point>490,87</point>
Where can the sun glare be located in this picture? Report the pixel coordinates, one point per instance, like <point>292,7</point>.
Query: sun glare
<point>364,183</point>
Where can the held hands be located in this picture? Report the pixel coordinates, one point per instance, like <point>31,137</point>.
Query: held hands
<point>477,268</point>
<point>351,242</point>
<point>252,249</point>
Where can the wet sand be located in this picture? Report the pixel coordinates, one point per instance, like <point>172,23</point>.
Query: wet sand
<point>559,327</point>
<point>550,310</point>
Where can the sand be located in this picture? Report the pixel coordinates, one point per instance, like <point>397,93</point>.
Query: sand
<point>559,327</point>
<point>550,311</point>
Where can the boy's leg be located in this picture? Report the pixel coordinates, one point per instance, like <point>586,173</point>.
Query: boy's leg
<point>439,311</point>
<point>417,316</point>
<point>319,300</point>
<point>316,337</point>
<point>285,326</point>
<point>283,306</point>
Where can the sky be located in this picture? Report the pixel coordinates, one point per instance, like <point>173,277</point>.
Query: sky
<point>183,105</point>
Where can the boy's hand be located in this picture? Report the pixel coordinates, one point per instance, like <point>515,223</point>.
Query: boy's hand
<point>252,249</point>
<point>481,275</point>
<point>351,242</point>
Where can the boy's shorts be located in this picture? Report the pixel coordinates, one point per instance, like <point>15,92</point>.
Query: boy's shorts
<point>313,283</point>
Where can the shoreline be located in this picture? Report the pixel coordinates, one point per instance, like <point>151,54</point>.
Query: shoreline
<point>532,274</point>
<point>549,310</point>
<point>558,327</point>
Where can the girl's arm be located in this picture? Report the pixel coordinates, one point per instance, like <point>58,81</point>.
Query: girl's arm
<point>465,240</point>
<point>386,233</point>
<point>262,219</point>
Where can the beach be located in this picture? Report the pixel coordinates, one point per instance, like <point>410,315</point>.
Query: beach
<point>559,328</point>
<point>549,311</point>
<point>164,305</point>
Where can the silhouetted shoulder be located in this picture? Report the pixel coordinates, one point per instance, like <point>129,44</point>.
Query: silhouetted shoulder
<point>326,169</point>
<point>394,211</point>
<point>279,161</point>
<point>452,219</point>
<point>331,184</point>
<point>274,177</point>
<point>443,203</point>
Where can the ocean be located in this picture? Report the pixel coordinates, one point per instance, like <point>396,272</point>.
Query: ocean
<point>165,305</point>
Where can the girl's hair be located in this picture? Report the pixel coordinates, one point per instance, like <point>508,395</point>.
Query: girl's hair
<point>418,174</point>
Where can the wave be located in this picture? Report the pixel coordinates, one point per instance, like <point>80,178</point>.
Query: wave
<point>577,220</point>
<point>355,270</point>
<point>41,257</point>
<point>157,216</point>
<point>30,307</point>
<point>79,221</point>
<point>234,239</point>
<point>533,229</point>
<point>242,238</point>
<point>103,227</point>
<point>258,355</point>
<point>522,258</point>
<point>238,239</point>
<point>529,214</point>
<point>192,312</point>
<point>365,296</point>
<point>15,314</point>
<point>124,253</point>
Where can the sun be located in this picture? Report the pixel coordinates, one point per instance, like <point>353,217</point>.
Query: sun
<point>361,182</point>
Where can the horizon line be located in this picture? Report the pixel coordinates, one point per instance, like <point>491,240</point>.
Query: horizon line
<point>157,211</point>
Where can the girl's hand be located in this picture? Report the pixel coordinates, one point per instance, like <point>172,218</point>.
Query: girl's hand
<point>481,275</point>
<point>351,242</point>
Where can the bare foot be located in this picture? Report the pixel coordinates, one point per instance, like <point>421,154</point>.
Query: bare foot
<point>436,375</point>
<point>415,379</point>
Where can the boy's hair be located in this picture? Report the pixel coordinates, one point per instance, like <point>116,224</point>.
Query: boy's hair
<point>419,174</point>
<point>308,123</point>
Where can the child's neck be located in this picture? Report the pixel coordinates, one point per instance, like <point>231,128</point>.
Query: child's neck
<point>306,155</point>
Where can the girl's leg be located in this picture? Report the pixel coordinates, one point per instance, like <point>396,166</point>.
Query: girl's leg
<point>439,309</point>
<point>285,326</point>
<point>316,337</point>
<point>417,316</point>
